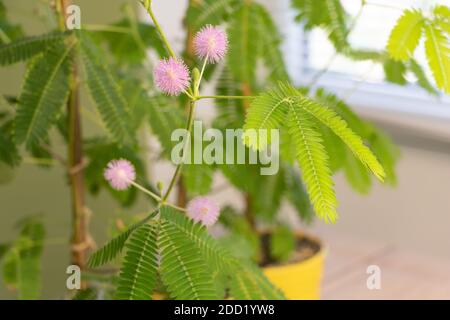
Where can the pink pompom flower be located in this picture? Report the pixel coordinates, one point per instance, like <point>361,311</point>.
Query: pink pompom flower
<point>201,209</point>
<point>172,76</point>
<point>120,174</point>
<point>211,42</point>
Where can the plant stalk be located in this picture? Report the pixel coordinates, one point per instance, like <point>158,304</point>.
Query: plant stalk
<point>80,217</point>
<point>177,172</point>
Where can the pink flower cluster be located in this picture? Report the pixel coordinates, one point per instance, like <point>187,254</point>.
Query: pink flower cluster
<point>211,43</point>
<point>120,174</point>
<point>203,210</point>
<point>172,75</point>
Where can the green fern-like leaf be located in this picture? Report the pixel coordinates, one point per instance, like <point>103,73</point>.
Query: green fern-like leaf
<point>422,79</point>
<point>106,93</point>
<point>270,41</point>
<point>198,178</point>
<point>282,243</point>
<point>210,12</point>
<point>44,93</point>
<point>22,263</point>
<point>215,256</point>
<point>406,34</point>
<point>138,274</point>
<point>395,71</point>
<point>443,17</point>
<point>337,27</point>
<point>164,117</point>
<point>26,48</point>
<point>131,47</point>
<point>9,153</point>
<point>437,49</point>
<point>266,199</point>
<point>183,271</point>
<point>267,111</point>
<point>248,283</point>
<point>244,44</point>
<point>327,14</point>
<point>286,105</point>
<point>115,246</point>
<point>331,119</point>
<point>357,174</point>
<point>314,163</point>
<point>231,112</point>
<point>296,194</point>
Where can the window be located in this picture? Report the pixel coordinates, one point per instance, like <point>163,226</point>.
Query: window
<point>362,84</point>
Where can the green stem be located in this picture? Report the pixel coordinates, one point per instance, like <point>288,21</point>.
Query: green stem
<point>155,196</point>
<point>148,6</point>
<point>4,37</point>
<point>177,172</point>
<point>225,97</point>
<point>145,190</point>
<point>201,74</point>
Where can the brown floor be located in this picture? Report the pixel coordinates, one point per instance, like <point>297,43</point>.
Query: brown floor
<point>403,275</point>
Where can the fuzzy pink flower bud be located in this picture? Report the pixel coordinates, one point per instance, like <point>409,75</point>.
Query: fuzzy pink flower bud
<point>172,76</point>
<point>120,174</point>
<point>212,43</point>
<point>201,209</point>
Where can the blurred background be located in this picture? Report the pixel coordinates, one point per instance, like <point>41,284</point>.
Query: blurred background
<point>404,229</point>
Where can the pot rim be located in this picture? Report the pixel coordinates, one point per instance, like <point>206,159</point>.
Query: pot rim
<point>301,234</point>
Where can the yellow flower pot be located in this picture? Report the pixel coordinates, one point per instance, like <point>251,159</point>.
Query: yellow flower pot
<point>299,280</point>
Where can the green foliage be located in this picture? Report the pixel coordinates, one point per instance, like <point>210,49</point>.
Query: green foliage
<point>422,79</point>
<point>164,117</point>
<point>25,48</point>
<point>437,48</point>
<point>195,233</point>
<point>99,152</point>
<point>197,178</point>
<point>242,240</point>
<point>282,243</point>
<point>131,47</point>
<point>254,37</point>
<point>314,163</point>
<point>267,196</point>
<point>8,150</point>
<point>105,92</point>
<point>327,14</point>
<point>406,34</point>
<point>45,91</point>
<point>191,263</point>
<point>210,12</point>
<point>248,283</point>
<point>183,271</point>
<point>332,120</point>
<point>285,104</point>
<point>8,30</point>
<point>381,145</point>
<point>138,274</point>
<point>22,261</point>
<point>244,41</point>
<point>114,247</point>
<point>296,194</point>
<point>395,71</point>
<point>269,42</point>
